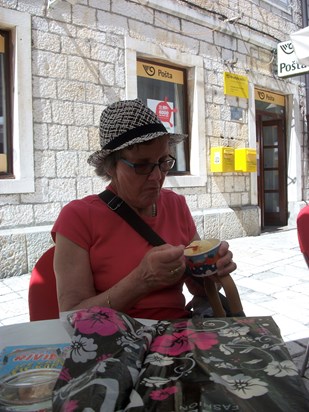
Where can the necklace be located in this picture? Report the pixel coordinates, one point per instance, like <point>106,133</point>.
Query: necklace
<point>153,210</point>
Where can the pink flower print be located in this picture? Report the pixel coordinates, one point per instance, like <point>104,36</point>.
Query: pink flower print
<point>70,406</point>
<point>263,331</point>
<point>100,320</point>
<point>246,321</point>
<point>103,357</point>
<point>161,394</point>
<point>182,324</point>
<point>183,341</point>
<point>65,374</point>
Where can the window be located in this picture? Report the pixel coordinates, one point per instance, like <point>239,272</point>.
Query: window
<point>163,89</point>
<point>16,123</point>
<point>283,4</point>
<point>5,105</point>
<point>191,167</point>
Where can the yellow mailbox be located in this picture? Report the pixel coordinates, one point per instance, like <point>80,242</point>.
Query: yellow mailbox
<point>245,160</point>
<point>222,159</point>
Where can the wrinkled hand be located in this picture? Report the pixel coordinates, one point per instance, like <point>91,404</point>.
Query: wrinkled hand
<point>225,264</point>
<point>162,266</point>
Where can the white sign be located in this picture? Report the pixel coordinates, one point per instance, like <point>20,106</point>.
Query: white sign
<point>287,61</point>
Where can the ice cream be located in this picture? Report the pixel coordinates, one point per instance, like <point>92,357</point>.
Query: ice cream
<point>200,246</point>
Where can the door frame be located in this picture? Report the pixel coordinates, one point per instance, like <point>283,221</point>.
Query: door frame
<point>268,218</point>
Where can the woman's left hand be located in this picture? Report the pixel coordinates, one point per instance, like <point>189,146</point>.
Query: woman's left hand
<point>225,264</point>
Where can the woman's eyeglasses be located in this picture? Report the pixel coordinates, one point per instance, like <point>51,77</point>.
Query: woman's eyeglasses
<point>147,168</point>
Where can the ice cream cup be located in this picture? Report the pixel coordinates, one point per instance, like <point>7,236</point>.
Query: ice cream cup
<point>201,257</point>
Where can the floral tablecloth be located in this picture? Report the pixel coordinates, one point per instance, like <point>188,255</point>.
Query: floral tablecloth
<point>220,364</point>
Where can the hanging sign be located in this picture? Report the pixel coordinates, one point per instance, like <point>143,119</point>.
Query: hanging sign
<point>236,85</point>
<point>288,64</point>
<point>300,41</point>
<point>163,73</point>
<point>269,97</point>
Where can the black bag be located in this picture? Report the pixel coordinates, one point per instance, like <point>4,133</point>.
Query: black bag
<point>116,363</point>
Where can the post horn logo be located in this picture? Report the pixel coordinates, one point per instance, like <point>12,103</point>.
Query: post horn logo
<point>150,70</point>
<point>261,95</point>
<point>287,48</point>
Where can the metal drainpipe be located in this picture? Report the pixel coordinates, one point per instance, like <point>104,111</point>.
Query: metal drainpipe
<point>304,7</point>
<point>305,24</point>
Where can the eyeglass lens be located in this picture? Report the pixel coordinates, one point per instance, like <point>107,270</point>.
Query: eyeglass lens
<point>147,168</point>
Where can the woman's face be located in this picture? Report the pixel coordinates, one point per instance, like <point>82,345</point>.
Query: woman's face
<point>141,191</point>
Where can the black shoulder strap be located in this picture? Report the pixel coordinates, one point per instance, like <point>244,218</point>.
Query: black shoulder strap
<point>116,204</point>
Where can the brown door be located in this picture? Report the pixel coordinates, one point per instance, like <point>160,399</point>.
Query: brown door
<point>272,178</point>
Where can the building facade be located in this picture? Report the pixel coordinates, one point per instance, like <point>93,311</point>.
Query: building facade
<point>209,69</point>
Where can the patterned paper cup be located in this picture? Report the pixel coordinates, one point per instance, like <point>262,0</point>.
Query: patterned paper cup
<point>201,257</point>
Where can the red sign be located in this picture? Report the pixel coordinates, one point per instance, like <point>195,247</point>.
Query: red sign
<point>164,112</point>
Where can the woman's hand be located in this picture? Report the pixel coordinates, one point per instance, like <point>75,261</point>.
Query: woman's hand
<point>162,266</point>
<point>225,264</point>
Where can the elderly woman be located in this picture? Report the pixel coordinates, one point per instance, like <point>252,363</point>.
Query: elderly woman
<point>100,260</point>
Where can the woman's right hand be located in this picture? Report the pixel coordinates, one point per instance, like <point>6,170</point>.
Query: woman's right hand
<point>162,266</point>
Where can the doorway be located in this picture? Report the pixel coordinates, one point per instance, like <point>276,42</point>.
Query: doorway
<point>272,170</point>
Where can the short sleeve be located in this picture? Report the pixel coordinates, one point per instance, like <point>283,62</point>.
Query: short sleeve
<point>74,223</point>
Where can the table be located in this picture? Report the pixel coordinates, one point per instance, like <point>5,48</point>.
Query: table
<point>41,332</point>
<point>191,364</point>
<point>34,333</point>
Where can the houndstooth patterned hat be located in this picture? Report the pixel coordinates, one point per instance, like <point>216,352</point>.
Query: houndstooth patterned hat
<point>129,122</point>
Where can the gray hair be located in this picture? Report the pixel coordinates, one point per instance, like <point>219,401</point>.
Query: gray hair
<point>103,164</point>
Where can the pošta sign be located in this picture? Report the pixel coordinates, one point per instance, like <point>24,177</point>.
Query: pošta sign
<point>288,64</point>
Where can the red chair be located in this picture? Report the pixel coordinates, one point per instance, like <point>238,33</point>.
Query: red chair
<point>42,296</point>
<point>302,223</point>
<point>303,232</point>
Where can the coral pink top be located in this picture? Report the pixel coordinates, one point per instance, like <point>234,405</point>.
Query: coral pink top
<point>115,249</point>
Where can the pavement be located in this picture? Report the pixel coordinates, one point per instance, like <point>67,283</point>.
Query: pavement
<point>272,278</point>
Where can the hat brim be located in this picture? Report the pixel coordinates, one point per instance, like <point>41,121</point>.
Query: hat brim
<point>174,138</point>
